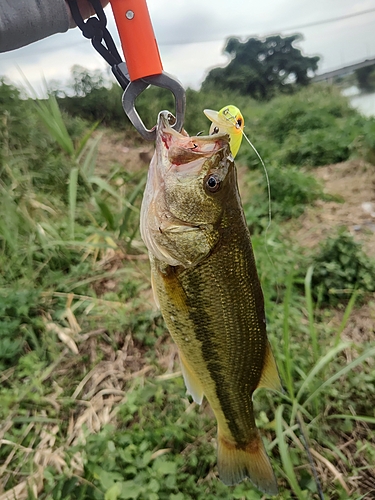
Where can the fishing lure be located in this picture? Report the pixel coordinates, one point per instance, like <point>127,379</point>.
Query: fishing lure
<point>228,120</point>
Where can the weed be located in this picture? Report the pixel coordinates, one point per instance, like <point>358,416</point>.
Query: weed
<point>291,191</point>
<point>364,144</point>
<point>316,147</point>
<point>340,268</point>
<point>20,326</point>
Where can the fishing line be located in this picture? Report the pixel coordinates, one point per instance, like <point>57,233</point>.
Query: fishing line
<point>269,205</point>
<point>309,456</point>
<point>267,180</point>
<point>233,120</point>
<point>305,441</point>
<point>230,117</point>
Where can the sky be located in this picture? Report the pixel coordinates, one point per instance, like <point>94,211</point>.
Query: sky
<point>191,36</point>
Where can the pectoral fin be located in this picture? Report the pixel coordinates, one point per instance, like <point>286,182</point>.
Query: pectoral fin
<point>270,378</point>
<point>193,385</point>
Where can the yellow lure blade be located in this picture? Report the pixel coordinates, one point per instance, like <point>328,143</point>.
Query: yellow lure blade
<point>228,120</point>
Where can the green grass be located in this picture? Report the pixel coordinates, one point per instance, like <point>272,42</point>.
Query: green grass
<point>92,402</point>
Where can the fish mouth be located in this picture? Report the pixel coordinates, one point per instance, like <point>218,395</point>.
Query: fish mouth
<point>181,147</point>
<point>164,124</point>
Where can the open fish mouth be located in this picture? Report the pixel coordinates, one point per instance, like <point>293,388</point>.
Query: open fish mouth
<point>180,145</point>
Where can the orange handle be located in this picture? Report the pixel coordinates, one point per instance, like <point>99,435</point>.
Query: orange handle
<point>137,38</point>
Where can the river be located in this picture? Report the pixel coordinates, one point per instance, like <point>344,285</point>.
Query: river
<point>365,103</point>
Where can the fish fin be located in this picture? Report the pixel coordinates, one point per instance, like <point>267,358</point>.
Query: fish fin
<point>236,463</point>
<point>193,385</point>
<point>270,378</point>
<point>153,286</point>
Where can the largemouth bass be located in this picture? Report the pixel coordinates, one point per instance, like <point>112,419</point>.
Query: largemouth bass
<point>205,281</point>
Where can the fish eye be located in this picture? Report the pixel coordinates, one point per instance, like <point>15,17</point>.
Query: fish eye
<point>215,130</point>
<point>213,183</point>
<point>239,122</point>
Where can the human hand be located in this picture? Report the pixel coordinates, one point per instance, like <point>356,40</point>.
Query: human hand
<point>86,10</point>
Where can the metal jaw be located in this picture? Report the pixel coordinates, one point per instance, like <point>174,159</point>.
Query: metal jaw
<point>96,30</point>
<point>136,87</point>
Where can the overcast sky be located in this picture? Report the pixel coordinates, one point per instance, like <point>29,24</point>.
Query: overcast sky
<point>192,33</point>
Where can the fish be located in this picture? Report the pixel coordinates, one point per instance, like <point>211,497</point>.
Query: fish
<point>205,282</point>
<point>228,120</point>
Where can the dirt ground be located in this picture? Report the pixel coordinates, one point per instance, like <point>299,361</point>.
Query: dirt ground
<point>354,183</point>
<point>117,148</point>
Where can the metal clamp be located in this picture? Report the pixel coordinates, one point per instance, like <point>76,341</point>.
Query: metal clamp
<point>136,87</point>
<point>96,30</point>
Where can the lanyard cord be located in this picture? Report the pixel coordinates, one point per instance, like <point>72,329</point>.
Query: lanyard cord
<point>95,29</point>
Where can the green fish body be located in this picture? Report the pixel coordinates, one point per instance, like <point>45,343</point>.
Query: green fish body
<point>205,281</point>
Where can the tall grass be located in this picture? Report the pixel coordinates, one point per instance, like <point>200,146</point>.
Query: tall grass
<point>309,381</point>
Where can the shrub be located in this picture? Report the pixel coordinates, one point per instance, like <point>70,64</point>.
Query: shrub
<point>316,147</point>
<point>364,144</point>
<point>312,108</point>
<point>291,190</point>
<point>314,127</point>
<point>340,268</point>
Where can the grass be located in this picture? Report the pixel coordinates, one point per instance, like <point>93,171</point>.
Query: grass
<point>93,405</point>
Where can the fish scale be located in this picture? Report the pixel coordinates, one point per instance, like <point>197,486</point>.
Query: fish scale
<point>224,337</point>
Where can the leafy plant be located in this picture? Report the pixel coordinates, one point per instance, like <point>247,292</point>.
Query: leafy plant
<point>340,268</point>
<point>364,144</point>
<point>313,108</point>
<point>20,326</point>
<point>316,147</point>
<point>290,189</point>
<point>314,127</point>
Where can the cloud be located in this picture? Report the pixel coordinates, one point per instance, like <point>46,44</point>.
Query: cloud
<point>192,33</point>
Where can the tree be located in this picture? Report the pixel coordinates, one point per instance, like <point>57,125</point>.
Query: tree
<point>85,81</point>
<point>261,67</point>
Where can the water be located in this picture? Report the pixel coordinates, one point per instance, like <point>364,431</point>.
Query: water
<point>365,103</point>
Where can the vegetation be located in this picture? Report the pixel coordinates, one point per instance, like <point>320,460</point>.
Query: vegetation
<point>340,268</point>
<point>261,68</point>
<point>93,405</point>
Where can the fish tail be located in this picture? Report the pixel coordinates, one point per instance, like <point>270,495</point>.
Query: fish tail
<point>235,463</point>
